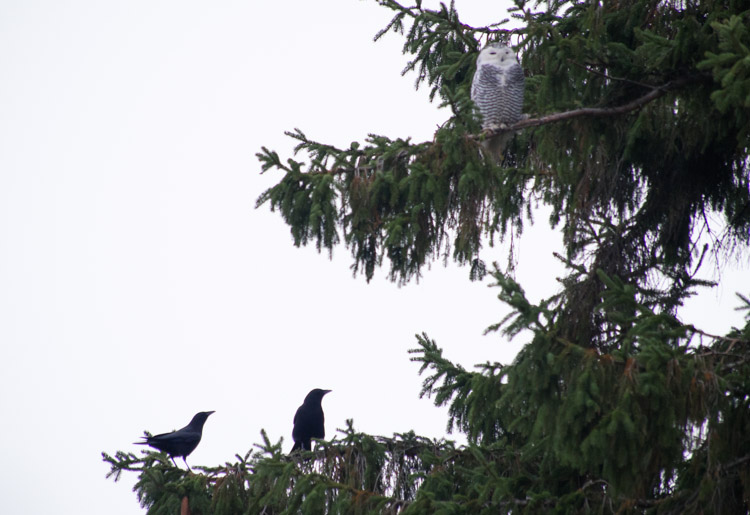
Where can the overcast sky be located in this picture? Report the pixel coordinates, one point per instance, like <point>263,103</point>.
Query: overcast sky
<point>138,284</point>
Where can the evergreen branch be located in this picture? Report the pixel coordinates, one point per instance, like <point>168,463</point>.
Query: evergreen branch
<point>570,263</point>
<point>356,492</point>
<point>652,95</point>
<point>270,159</point>
<point>431,356</point>
<point>417,11</point>
<point>745,307</point>
<point>524,314</point>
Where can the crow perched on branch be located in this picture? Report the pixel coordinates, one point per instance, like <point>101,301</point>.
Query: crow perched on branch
<point>181,442</point>
<point>309,421</point>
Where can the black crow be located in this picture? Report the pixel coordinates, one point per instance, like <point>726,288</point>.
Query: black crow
<point>181,442</point>
<point>309,421</point>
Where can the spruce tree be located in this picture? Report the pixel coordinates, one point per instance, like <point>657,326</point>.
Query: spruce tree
<point>637,137</point>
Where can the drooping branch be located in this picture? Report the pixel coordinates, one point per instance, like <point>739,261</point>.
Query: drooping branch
<point>610,77</point>
<point>655,93</point>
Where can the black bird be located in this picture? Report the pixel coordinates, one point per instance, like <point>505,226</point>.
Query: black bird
<point>309,421</point>
<point>181,442</point>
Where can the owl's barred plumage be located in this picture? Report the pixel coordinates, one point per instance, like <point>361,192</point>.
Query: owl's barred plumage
<point>497,90</point>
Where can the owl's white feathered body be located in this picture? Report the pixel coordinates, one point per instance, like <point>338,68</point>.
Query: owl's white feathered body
<point>497,87</point>
<point>497,90</point>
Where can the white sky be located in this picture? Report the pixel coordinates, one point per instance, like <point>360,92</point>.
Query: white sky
<point>138,284</point>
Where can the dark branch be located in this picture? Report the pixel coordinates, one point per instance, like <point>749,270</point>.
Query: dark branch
<point>609,77</point>
<point>738,461</point>
<point>594,111</point>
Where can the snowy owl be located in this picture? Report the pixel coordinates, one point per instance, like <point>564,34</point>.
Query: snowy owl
<point>497,90</point>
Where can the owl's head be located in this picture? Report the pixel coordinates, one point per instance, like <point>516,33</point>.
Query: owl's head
<point>497,54</point>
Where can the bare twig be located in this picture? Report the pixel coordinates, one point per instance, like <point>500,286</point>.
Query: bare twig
<point>609,77</point>
<point>736,462</point>
<point>716,337</point>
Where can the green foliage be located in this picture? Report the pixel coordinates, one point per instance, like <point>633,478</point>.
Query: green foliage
<point>731,68</point>
<point>639,132</point>
<point>661,426</point>
<point>357,474</point>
